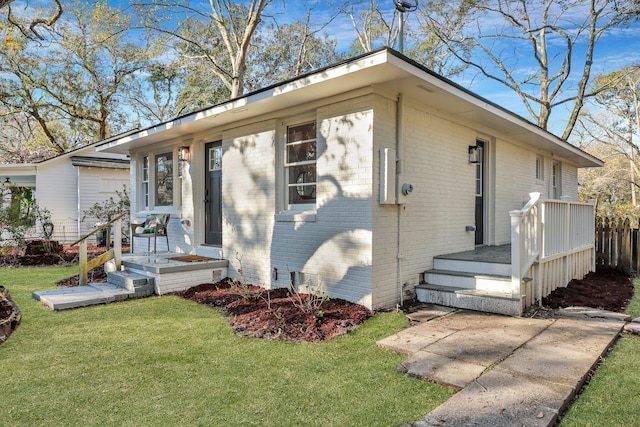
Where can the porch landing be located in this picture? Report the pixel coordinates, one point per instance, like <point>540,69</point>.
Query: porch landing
<point>142,276</point>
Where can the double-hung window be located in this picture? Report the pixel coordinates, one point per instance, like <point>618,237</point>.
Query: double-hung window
<point>145,182</point>
<point>164,179</point>
<point>300,163</point>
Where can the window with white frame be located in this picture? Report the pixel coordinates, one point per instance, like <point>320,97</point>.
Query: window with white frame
<point>145,182</point>
<point>540,168</point>
<point>300,163</point>
<point>164,179</point>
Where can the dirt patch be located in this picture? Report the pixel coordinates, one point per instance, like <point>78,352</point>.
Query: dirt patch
<point>256,312</point>
<point>606,289</point>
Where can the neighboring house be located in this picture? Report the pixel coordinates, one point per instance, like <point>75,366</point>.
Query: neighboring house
<point>69,184</point>
<point>353,178</point>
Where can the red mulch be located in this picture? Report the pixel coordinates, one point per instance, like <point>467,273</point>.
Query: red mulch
<point>271,314</point>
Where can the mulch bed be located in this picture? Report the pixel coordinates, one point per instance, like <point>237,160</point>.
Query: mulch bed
<point>256,312</point>
<point>606,289</point>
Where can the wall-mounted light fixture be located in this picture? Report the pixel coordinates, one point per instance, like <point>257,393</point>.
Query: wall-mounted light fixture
<point>475,154</point>
<point>183,154</point>
<point>183,157</point>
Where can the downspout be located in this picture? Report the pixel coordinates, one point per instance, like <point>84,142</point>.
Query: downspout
<point>78,202</point>
<point>400,207</point>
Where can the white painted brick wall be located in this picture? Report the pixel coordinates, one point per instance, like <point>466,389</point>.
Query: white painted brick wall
<point>350,241</point>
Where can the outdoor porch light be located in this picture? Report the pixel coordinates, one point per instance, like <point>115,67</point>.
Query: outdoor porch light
<point>183,154</point>
<point>474,154</point>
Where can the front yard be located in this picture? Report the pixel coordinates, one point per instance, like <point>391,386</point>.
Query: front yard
<point>169,361</point>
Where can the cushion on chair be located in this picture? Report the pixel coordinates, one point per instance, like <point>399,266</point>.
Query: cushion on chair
<point>151,222</point>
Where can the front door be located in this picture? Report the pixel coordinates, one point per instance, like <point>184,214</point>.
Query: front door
<point>480,194</point>
<point>213,193</point>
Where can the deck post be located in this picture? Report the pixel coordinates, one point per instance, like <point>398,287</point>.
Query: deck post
<point>117,243</point>
<point>84,272</point>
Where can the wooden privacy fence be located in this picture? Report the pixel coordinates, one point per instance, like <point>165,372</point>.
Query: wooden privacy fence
<point>617,244</point>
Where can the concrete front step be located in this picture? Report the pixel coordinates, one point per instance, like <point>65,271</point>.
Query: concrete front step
<point>130,280</point>
<point>121,285</point>
<point>82,296</point>
<point>472,299</point>
<point>470,280</point>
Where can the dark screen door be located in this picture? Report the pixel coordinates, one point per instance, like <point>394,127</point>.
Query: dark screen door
<point>480,195</point>
<point>213,193</point>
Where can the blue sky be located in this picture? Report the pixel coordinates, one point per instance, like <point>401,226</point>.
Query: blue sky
<point>616,49</point>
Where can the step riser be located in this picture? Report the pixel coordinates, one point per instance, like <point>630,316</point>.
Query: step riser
<point>479,283</point>
<point>130,281</point>
<point>470,302</point>
<point>476,267</point>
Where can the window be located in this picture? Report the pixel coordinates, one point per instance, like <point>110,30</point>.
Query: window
<point>555,180</point>
<point>540,168</point>
<point>300,163</point>
<point>164,179</point>
<point>145,181</point>
<point>215,158</point>
<point>479,173</point>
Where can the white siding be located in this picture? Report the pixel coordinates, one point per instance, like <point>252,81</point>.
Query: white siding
<point>57,190</point>
<point>97,185</point>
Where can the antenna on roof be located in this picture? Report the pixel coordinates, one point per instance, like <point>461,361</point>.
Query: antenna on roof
<point>403,6</point>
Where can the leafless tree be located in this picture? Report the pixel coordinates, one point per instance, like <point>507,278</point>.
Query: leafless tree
<point>502,32</point>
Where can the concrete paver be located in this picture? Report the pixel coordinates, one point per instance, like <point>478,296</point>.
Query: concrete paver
<point>81,296</point>
<point>512,371</point>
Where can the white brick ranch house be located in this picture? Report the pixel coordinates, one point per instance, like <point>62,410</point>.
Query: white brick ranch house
<point>357,177</point>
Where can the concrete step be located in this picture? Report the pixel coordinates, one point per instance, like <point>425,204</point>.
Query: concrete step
<point>470,280</point>
<point>130,280</point>
<point>478,267</point>
<point>81,296</point>
<point>472,299</point>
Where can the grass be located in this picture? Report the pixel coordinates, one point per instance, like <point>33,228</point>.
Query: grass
<point>168,361</point>
<point>612,396</point>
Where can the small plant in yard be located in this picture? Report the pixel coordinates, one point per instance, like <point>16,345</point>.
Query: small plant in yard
<point>308,302</point>
<point>241,286</point>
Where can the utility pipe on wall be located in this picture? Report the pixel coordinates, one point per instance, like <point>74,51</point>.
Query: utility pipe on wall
<point>400,207</point>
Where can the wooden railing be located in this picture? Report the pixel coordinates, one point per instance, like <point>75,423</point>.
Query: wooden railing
<point>526,239</point>
<point>115,253</point>
<point>552,242</point>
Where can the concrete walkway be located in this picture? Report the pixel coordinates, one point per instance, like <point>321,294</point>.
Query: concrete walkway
<point>511,371</point>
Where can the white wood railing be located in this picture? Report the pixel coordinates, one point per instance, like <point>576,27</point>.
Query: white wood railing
<point>552,242</point>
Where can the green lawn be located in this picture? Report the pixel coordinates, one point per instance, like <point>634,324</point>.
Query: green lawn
<point>612,398</point>
<point>168,361</point>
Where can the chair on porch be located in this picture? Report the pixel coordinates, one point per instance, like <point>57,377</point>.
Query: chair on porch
<point>155,225</point>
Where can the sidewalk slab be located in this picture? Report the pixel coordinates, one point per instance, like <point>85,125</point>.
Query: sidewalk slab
<point>500,399</point>
<point>534,384</point>
<point>456,348</point>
